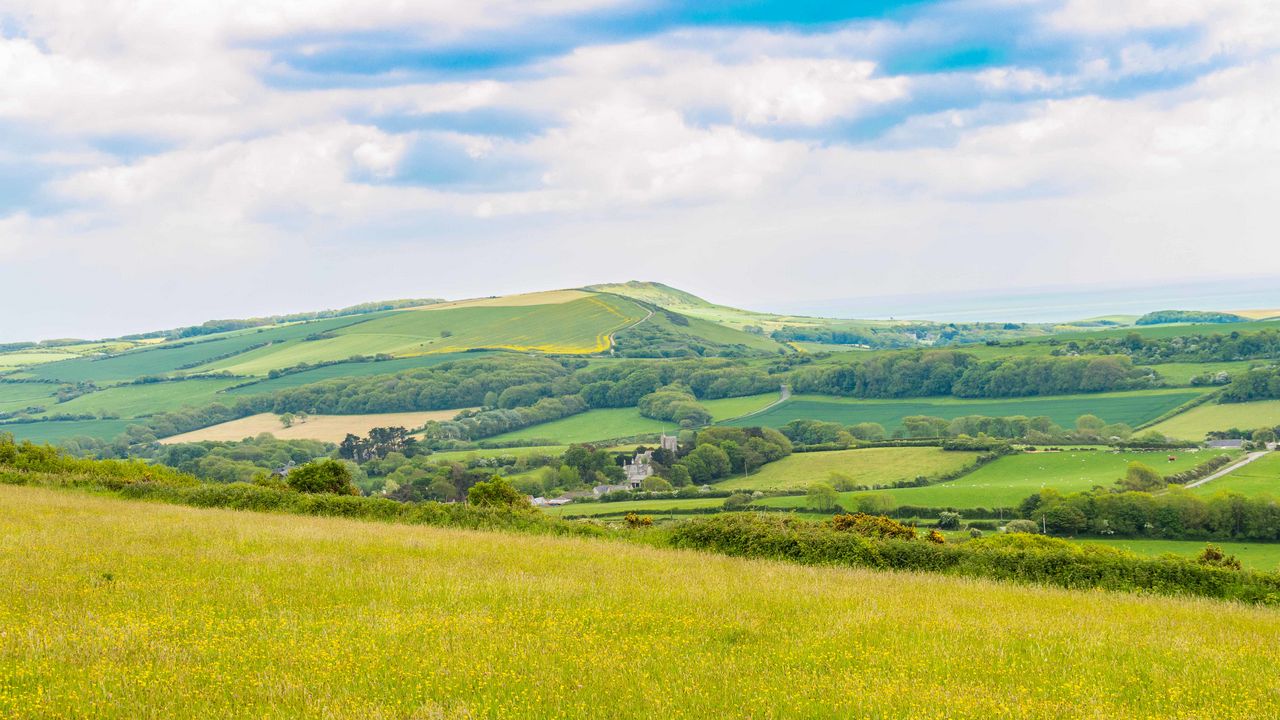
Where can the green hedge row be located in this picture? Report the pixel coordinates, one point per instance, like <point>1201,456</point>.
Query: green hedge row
<point>1018,557</point>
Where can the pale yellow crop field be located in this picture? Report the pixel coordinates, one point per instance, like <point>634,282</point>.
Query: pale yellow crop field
<point>329,428</point>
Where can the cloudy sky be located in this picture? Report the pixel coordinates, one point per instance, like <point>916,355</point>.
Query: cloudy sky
<point>162,163</point>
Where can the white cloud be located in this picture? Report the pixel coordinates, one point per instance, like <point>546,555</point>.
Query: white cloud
<point>647,149</point>
<point>1226,25</point>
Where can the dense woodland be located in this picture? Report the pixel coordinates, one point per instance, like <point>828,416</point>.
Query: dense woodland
<point>959,374</point>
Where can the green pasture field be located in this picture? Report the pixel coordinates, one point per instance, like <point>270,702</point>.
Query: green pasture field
<point>56,431</point>
<point>640,507</point>
<point>461,455</point>
<point>1131,407</point>
<point>19,396</point>
<point>1260,477</point>
<point>167,358</point>
<point>25,358</point>
<point>1009,480</point>
<point>1255,556</point>
<point>118,609</point>
<point>813,347</point>
<point>1194,423</point>
<point>1173,330</point>
<point>610,423</point>
<point>591,426</point>
<point>726,408</point>
<point>1180,374</point>
<point>131,401</point>
<point>350,369</point>
<point>871,466</point>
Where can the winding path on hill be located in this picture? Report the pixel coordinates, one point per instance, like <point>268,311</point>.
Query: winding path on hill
<point>613,341</point>
<point>1228,469</point>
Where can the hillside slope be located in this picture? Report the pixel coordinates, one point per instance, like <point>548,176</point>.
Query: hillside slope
<point>165,611</point>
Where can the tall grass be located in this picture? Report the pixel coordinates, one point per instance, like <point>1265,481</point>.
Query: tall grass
<point>120,609</point>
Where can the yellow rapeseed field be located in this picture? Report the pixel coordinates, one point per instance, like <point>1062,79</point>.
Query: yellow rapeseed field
<point>118,609</point>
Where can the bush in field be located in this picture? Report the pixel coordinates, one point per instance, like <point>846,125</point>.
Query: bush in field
<point>1142,478</point>
<point>949,520</point>
<point>496,492</point>
<point>1022,526</point>
<point>322,476</point>
<point>878,503</point>
<point>656,483</point>
<point>936,538</point>
<point>737,501</point>
<point>1213,556</point>
<point>637,521</point>
<point>874,526</point>
<point>821,497</point>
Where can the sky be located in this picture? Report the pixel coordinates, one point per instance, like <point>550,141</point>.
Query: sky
<point>163,163</point>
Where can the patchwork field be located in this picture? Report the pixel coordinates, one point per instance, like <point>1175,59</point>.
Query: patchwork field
<point>172,357</point>
<point>1260,477</point>
<point>1181,373</point>
<point>611,423</point>
<point>131,401</point>
<point>23,359</point>
<point>59,431</point>
<point>1194,423</point>
<point>1124,407</point>
<point>642,507</point>
<point>590,426</point>
<point>115,609</point>
<point>872,466</point>
<point>329,428</point>
<point>458,455</point>
<point>1009,480</point>
<point>349,369</point>
<point>580,325</point>
<point>19,396</point>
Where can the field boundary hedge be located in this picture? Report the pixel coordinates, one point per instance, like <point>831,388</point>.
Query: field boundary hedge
<point>1023,558</point>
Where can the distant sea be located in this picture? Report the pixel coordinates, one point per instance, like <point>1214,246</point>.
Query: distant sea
<point>1051,304</point>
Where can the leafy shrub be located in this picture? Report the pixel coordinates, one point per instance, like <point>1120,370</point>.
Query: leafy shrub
<point>949,520</point>
<point>496,492</point>
<point>1022,526</point>
<point>322,476</point>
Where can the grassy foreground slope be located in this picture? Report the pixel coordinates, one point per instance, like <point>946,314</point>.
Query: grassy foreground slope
<point>123,609</point>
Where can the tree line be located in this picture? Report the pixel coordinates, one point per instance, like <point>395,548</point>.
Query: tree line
<point>945,372</point>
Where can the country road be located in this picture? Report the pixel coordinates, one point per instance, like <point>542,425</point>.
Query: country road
<point>1228,469</point>
<point>784,394</point>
